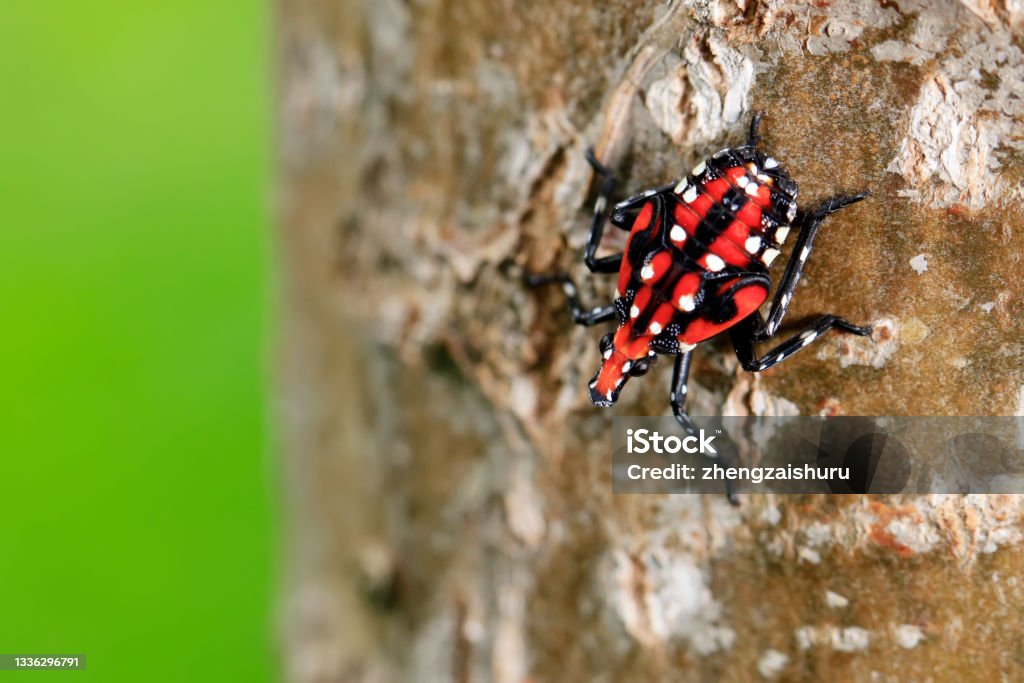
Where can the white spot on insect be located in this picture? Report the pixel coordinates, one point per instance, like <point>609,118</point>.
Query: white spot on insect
<point>593,384</point>
<point>743,181</point>
<point>634,312</point>
<point>763,178</point>
<point>569,289</point>
<point>678,234</point>
<point>804,253</point>
<point>769,256</point>
<point>686,302</point>
<point>607,354</point>
<point>719,154</point>
<point>752,245</point>
<point>785,299</point>
<point>681,187</point>
<point>808,337</point>
<point>600,204</point>
<point>682,389</point>
<point>714,262</point>
<point>752,167</point>
<point>698,169</point>
<point>690,195</point>
<point>771,163</point>
<point>610,393</point>
<point>919,263</point>
<point>627,366</point>
<point>655,328</point>
<point>791,213</point>
<point>650,193</point>
<point>686,348</point>
<point>647,272</point>
<point>752,189</point>
<point>781,234</point>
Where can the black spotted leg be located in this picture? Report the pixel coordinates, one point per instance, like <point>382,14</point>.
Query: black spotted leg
<point>677,398</point>
<point>677,395</point>
<point>744,333</point>
<point>753,330</point>
<point>810,224</point>
<point>619,217</point>
<point>581,315</point>
<point>608,264</point>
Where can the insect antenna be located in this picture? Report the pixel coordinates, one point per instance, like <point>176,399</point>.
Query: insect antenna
<point>755,123</point>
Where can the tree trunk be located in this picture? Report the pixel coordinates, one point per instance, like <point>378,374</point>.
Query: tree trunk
<point>450,514</point>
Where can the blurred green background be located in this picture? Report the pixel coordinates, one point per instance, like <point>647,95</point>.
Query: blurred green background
<point>136,495</point>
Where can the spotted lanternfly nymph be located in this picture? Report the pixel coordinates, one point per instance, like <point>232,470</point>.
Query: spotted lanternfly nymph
<point>696,264</point>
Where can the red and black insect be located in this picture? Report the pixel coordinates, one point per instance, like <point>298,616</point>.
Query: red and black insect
<point>696,264</point>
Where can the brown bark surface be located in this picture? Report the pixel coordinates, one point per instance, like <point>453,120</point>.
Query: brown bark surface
<point>448,482</point>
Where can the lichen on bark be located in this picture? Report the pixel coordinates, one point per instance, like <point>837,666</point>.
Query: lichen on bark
<point>448,495</point>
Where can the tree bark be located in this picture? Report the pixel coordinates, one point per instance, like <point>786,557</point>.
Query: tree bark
<point>448,494</point>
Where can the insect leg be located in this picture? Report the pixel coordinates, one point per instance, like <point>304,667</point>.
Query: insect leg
<point>580,314</point>
<point>810,224</point>
<point>677,395</point>
<point>608,264</point>
<point>744,336</point>
<point>608,183</point>
<point>619,216</point>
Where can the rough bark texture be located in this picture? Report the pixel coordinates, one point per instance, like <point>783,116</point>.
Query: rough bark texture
<point>450,513</point>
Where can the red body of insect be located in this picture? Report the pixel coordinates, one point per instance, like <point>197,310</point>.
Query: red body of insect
<point>696,262</point>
